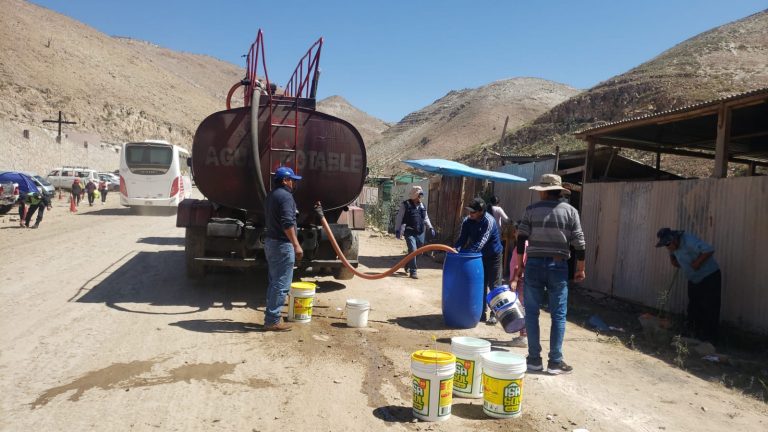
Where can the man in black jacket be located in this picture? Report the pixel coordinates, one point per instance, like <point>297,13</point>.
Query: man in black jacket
<point>281,245</point>
<point>35,201</point>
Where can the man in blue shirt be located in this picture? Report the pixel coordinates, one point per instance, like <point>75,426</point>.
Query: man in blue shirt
<point>281,246</point>
<point>695,257</point>
<point>479,233</point>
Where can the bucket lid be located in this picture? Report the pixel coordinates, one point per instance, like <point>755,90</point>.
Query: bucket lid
<point>434,357</point>
<point>358,303</point>
<point>310,286</point>
<point>470,342</point>
<point>509,362</point>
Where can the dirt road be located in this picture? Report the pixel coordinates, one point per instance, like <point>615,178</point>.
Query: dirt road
<point>102,331</point>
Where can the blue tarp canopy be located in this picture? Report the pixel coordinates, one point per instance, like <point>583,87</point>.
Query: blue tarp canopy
<point>26,185</point>
<point>451,168</point>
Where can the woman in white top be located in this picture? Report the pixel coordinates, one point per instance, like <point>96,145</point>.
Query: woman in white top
<point>498,213</point>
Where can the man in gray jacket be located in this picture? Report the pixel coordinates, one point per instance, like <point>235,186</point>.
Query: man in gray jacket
<point>549,226</point>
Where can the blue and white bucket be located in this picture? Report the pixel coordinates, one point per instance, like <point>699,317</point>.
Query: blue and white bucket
<point>507,308</point>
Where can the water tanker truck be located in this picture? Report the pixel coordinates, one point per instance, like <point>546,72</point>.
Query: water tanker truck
<point>235,152</point>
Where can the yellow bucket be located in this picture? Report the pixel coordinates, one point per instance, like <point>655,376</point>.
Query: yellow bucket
<point>432,384</point>
<point>300,300</point>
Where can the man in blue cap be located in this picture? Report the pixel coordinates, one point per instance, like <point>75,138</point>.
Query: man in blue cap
<point>281,245</point>
<point>695,257</point>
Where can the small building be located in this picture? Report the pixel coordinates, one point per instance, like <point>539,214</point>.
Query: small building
<point>620,219</point>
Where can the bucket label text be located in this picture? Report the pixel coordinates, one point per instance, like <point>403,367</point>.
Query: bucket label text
<point>464,376</point>
<point>302,308</point>
<point>501,396</point>
<point>420,395</point>
<point>446,397</point>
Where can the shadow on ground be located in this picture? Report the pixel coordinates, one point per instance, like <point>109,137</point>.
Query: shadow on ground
<point>162,241</point>
<point>155,282</point>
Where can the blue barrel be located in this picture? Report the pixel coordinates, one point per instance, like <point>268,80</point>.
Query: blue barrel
<point>462,289</point>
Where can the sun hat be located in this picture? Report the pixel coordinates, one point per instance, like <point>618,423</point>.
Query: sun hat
<point>549,182</point>
<point>477,205</point>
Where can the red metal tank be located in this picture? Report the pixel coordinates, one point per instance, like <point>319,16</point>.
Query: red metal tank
<point>326,151</point>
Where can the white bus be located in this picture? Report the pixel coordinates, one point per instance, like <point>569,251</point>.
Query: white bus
<point>154,174</point>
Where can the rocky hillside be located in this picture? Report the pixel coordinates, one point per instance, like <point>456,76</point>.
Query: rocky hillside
<point>119,88</point>
<point>726,60</point>
<point>369,127</point>
<point>464,119</point>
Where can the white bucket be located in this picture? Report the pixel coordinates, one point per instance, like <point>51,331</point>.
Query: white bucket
<point>503,374</point>
<point>300,300</point>
<point>468,379</point>
<point>432,378</point>
<point>357,312</point>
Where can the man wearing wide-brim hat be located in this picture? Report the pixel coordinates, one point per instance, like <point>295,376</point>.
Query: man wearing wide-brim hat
<point>549,226</point>
<point>695,257</point>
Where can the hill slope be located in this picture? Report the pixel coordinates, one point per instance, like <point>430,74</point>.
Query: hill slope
<point>369,127</point>
<point>466,118</point>
<point>120,88</point>
<point>728,59</point>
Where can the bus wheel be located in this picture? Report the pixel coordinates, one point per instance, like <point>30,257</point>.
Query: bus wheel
<point>194,248</point>
<point>343,273</point>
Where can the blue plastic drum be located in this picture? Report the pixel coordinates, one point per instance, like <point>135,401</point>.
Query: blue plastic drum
<point>462,289</point>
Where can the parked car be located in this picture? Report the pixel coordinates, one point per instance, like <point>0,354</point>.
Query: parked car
<point>43,185</point>
<point>113,181</point>
<point>9,194</point>
<point>65,176</point>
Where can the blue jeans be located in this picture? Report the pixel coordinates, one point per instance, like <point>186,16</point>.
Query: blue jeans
<point>552,274</point>
<point>280,259</point>
<point>414,242</point>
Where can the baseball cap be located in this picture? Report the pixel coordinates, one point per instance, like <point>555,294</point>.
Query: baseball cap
<point>286,172</point>
<point>666,235</point>
<point>477,205</point>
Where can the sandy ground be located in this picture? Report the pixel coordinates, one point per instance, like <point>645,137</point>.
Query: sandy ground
<point>101,330</point>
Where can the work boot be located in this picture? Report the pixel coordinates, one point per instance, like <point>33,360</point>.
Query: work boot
<point>36,225</point>
<point>279,326</point>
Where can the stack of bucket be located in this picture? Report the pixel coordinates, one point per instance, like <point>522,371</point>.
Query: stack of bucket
<point>471,370</point>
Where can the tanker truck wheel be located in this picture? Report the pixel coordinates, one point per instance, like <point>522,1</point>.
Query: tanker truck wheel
<point>343,273</point>
<point>194,247</point>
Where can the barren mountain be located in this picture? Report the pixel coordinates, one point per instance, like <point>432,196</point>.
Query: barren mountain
<point>726,60</point>
<point>369,127</point>
<point>463,119</point>
<point>120,88</point>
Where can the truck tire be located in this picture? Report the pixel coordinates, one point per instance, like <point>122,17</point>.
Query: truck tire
<point>194,247</point>
<point>343,273</point>
<point>5,209</point>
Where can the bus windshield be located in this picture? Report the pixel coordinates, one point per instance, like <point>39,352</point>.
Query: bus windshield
<point>148,159</point>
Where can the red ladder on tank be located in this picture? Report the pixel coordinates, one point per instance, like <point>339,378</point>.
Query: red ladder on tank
<point>302,84</point>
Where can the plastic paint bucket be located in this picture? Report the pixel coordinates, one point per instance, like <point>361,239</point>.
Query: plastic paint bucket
<point>300,300</point>
<point>468,378</point>
<point>357,312</point>
<point>432,381</point>
<point>507,309</point>
<point>503,374</point>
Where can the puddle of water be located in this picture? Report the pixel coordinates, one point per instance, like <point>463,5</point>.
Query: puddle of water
<point>127,375</point>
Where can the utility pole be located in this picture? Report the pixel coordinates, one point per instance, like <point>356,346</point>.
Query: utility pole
<point>60,122</point>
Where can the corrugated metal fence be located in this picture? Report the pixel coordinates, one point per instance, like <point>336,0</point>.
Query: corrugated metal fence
<point>515,197</point>
<point>620,221</point>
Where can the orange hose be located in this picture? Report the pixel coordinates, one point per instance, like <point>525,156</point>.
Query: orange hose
<point>421,250</point>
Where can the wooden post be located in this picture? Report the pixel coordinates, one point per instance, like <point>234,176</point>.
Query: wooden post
<point>60,122</point>
<point>752,168</point>
<point>589,161</point>
<point>557,158</point>
<point>721,144</point>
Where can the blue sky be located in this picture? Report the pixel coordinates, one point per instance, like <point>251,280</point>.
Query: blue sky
<point>390,58</point>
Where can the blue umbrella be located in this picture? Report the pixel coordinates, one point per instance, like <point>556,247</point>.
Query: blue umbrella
<point>452,168</point>
<point>26,184</point>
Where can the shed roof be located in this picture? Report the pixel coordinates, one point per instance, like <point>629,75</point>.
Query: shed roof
<point>692,130</point>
